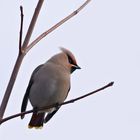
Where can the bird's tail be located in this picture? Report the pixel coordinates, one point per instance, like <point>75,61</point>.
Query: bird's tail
<point>37,120</point>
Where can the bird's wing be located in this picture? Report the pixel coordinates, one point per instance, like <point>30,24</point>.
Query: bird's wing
<point>50,115</point>
<point>26,96</point>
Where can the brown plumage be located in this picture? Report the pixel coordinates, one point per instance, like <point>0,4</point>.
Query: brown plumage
<point>49,84</point>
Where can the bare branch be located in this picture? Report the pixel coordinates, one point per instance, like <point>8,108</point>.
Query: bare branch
<point>21,29</point>
<point>88,94</point>
<point>32,24</point>
<point>56,26</point>
<point>10,85</point>
<point>56,105</point>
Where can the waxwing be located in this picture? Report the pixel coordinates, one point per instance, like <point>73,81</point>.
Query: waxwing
<point>49,84</point>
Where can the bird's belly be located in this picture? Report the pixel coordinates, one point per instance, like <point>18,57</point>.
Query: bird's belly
<point>47,94</point>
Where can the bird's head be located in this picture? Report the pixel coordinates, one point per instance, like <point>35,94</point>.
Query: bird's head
<point>66,59</point>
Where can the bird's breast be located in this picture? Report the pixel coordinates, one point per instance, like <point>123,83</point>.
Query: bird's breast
<point>49,89</point>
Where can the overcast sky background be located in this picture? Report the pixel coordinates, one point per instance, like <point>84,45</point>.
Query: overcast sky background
<point>105,38</point>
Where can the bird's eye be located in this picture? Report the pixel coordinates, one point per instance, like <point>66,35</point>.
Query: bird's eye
<point>70,60</point>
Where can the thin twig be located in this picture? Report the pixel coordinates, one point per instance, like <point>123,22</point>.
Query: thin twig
<point>44,34</point>
<point>86,95</point>
<point>64,103</point>
<point>32,24</point>
<point>21,29</point>
<point>18,63</point>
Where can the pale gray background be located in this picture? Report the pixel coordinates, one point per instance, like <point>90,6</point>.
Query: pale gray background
<point>105,38</point>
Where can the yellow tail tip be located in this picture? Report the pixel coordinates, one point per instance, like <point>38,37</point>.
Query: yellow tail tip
<point>36,127</point>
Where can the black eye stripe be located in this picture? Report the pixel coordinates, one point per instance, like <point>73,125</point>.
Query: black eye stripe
<point>70,60</point>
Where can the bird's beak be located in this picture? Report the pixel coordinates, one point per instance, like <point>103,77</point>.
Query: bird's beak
<point>76,67</point>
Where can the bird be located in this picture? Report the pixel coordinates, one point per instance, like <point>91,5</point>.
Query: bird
<point>49,84</point>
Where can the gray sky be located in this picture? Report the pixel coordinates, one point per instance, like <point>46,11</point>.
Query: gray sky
<point>105,38</point>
